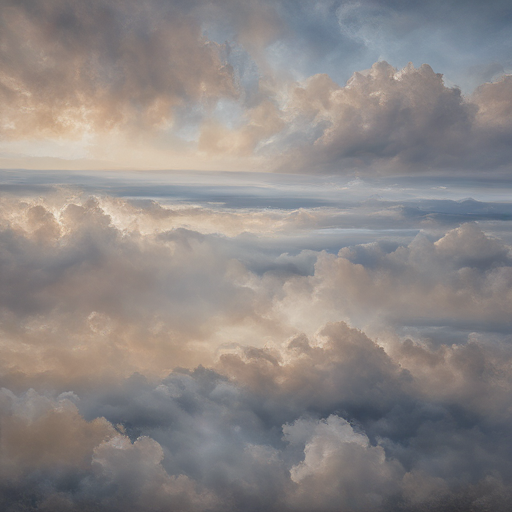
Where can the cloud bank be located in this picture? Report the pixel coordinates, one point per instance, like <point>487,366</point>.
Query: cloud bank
<point>173,357</point>
<point>232,86</point>
<point>203,342</point>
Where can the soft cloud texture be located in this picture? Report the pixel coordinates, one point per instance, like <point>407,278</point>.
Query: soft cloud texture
<point>72,67</point>
<point>335,339</point>
<point>251,85</point>
<point>462,277</point>
<point>168,355</point>
<point>393,121</point>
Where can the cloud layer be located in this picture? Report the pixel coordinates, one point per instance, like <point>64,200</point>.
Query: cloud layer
<point>207,342</point>
<point>176,357</point>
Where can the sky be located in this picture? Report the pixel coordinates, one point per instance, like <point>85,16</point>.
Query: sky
<point>289,85</point>
<point>255,256</point>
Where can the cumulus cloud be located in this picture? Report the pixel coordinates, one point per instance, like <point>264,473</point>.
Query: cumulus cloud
<point>106,279</point>
<point>199,440</point>
<point>214,84</point>
<point>341,466</point>
<point>135,471</point>
<point>450,278</point>
<point>41,433</point>
<point>78,277</point>
<point>393,120</point>
<point>281,344</point>
<point>151,361</point>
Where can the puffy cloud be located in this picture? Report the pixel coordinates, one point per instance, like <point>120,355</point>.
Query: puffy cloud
<point>105,280</point>
<point>78,285</point>
<point>326,377</point>
<point>202,441</point>
<point>84,464</point>
<point>42,434</point>
<point>340,466</point>
<point>218,84</point>
<point>493,100</point>
<point>392,120</point>
<point>463,277</point>
<point>132,477</point>
<point>104,299</point>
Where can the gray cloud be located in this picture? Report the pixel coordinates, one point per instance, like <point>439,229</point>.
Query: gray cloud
<point>216,84</point>
<point>339,340</point>
<point>279,404</point>
<point>394,121</point>
<point>199,441</point>
<point>69,67</point>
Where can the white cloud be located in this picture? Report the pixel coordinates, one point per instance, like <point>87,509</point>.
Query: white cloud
<point>341,466</point>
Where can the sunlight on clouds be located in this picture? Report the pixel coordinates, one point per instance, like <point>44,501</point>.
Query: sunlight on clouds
<point>141,87</point>
<point>159,362</point>
<point>326,329</point>
<point>139,283</point>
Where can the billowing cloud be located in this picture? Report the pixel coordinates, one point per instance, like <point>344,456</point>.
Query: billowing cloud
<point>340,465</point>
<point>232,85</point>
<point>69,68</point>
<point>393,120</point>
<point>200,441</point>
<point>153,283</point>
<point>462,277</point>
<point>207,342</point>
<point>174,356</point>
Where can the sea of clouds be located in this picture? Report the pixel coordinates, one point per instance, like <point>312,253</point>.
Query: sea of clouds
<point>187,355</point>
<point>333,340</point>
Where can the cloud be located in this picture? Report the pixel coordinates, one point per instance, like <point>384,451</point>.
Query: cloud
<point>103,280</point>
<point>43,434</point>
<point>461,278</point>
<point>69,68</point>
<point>147,364</point>
<point>75,277</point>
<point>285,344</point>
<point>341,466</point>
<point>135,471</point>
<point>203,441</point>
<point>219,85</point>
<point>392,120</point>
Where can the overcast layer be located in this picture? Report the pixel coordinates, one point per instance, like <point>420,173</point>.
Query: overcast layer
<point>311,87</point>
